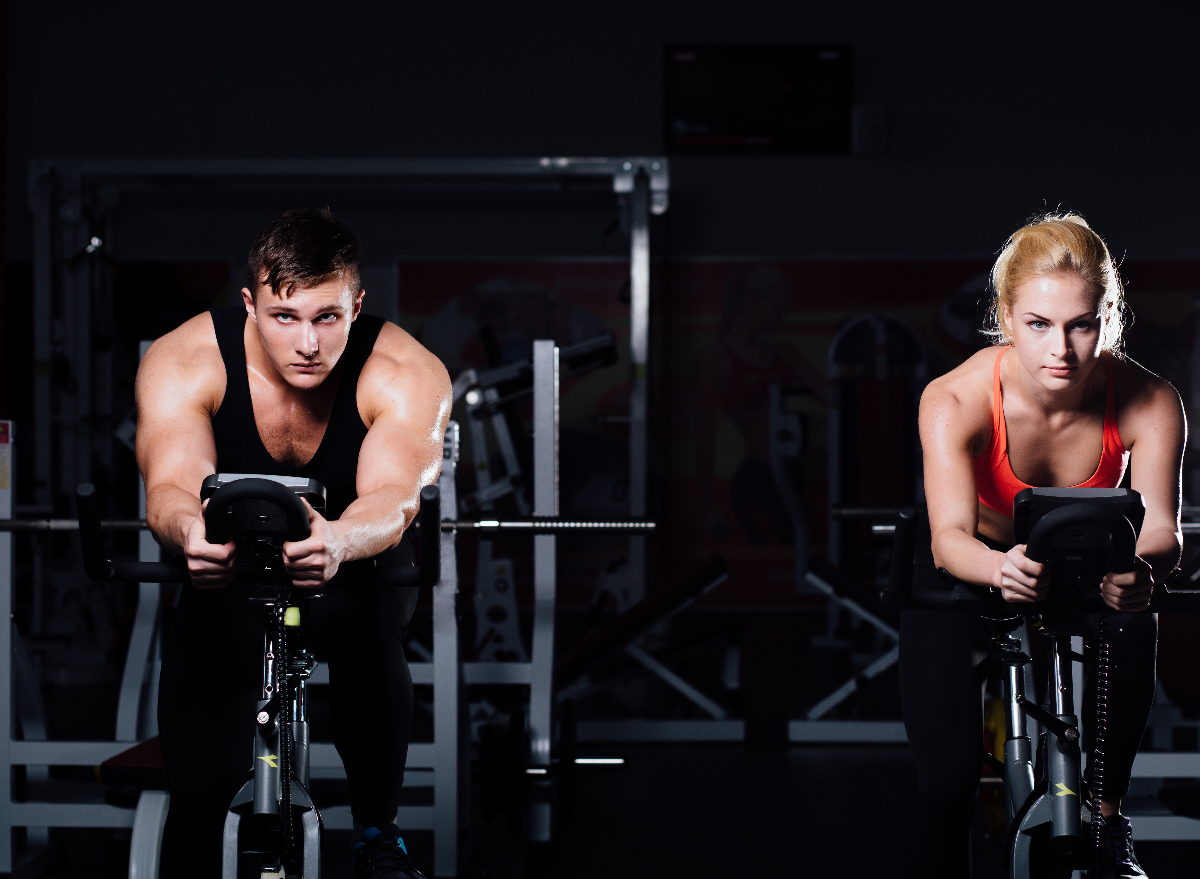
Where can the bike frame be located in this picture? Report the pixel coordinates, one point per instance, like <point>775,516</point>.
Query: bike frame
<point>1045,817</point>
<point>259,798</point>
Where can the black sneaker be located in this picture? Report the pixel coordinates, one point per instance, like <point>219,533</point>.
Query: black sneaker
<point>1120,831</point>
<point>381,855</point>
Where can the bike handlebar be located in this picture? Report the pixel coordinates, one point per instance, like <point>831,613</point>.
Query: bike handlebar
<point>1084,516</point>
<point>220,507</point>
<point>898,591</point>
<point>100,568</point>
<point>429,544</point>
<point>953,594</point>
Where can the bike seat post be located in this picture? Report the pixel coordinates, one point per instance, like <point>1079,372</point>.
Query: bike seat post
<point>1061,680</point>
<point>1018,753</point>
<point>1007,650</point>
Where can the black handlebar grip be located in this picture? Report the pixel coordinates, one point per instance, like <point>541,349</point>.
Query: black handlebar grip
<point>174,571</point>
<point>904,549</point>
<point>1124,544</point>
<point>430,517</point>
<point>216,514</point>
<point>95,563</point>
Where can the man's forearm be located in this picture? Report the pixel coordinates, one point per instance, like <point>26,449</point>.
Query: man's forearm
<point>169,512</point>
<point>374,523</point>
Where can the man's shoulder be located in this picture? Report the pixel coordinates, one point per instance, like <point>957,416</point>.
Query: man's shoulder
<point>187,357</point>
<point>395,350</point>
<point>400,366</point>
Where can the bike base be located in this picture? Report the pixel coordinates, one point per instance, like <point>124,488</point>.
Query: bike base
<point>253,844</point>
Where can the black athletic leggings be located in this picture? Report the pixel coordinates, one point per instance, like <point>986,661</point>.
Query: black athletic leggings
<point>212,679</point>
<point>942,668</point>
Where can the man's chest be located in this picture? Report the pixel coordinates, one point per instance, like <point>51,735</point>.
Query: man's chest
<point>291,426</point>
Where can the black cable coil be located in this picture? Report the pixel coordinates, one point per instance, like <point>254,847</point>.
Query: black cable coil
<point>282,666</point>
<point>1097,761</point>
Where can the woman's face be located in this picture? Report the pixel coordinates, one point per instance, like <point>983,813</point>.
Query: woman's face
<point>1055,322</point>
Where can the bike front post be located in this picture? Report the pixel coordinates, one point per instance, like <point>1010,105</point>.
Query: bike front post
<point>1062,752</point>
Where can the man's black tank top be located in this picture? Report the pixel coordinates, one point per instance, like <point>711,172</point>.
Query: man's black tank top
<point>240,447</point>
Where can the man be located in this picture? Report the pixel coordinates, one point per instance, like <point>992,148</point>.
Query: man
<point>298,383</point>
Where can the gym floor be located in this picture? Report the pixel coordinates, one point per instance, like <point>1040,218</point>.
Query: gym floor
<point>698,811</point>
<point>761,808</point>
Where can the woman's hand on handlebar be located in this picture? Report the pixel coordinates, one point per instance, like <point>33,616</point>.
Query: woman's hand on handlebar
<point>1021,578</point>
<point>210,565</point>
<point>1129,592</point>
<point>312,562</point>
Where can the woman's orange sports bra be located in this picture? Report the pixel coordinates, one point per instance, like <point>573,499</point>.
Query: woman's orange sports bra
<point>994,478</point>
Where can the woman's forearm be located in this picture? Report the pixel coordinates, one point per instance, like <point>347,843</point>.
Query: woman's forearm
<point>967,558</point>
<point>1161,548</point>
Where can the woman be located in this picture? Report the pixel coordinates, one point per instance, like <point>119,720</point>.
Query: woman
<point>1055,404</point>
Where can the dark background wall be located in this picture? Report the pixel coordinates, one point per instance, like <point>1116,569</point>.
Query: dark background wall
<point>994,113</point>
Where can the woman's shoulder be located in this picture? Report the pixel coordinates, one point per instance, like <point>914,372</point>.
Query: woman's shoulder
<point>1140,394</point>
<point>970,381</point>
<point>963,396</point>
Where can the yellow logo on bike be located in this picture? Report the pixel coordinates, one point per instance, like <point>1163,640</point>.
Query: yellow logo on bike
<point>270,760</point>
<point>1063,790</point>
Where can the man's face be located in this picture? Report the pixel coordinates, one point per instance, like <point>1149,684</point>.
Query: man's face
<point>305,334</point>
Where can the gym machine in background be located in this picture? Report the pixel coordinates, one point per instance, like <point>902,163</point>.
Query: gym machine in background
<point>877,371</point>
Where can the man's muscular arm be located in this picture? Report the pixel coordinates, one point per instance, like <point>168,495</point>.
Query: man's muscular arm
<point>404,397</point>
<point>179,385</point>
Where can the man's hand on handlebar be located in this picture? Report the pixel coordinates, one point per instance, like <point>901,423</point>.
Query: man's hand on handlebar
<point>1021,578</point>
<point>1129,592</point>
<point>312,562</point>
<point>210,565</point>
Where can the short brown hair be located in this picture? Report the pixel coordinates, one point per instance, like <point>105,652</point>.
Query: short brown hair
<point>1048,245</point>
<point>300,249</point>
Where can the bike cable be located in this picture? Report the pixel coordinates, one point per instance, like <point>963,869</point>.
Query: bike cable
<point>1101,729</point>
<point>283,688</point>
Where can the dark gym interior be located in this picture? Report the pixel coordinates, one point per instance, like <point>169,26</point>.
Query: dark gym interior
<point>831,182</point>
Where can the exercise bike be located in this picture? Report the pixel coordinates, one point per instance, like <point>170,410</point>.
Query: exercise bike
<point>1081,534</point>
<point>273,827</point>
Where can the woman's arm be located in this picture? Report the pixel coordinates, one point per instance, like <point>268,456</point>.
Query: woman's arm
<point>1157,426</point>
<point>950,428</point>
